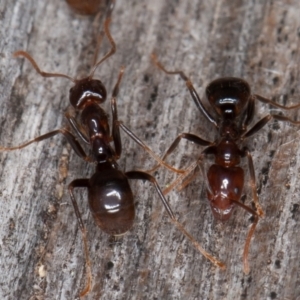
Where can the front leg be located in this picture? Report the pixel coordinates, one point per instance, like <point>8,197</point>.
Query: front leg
<point>189,137</point>
<point>115,122</point>
<point>76,127</point>
<point>67,134</point>
<point>147,149</point>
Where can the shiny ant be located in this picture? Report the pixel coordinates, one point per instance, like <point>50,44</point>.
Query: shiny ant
<point>109,194</point>
<point>234,107</point>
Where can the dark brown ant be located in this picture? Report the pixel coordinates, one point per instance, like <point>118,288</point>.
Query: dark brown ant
<point>86,7</point>
<point>109,194</point>
<point>234,106</point>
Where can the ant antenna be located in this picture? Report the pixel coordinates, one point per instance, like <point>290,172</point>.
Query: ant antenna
<point>36,67</point>
<point>107,55</point>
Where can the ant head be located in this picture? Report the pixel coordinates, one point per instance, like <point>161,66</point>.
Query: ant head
<point>228,96</point>
<point>87,89</point>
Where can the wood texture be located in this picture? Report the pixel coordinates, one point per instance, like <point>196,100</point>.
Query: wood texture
<point>41,251</point>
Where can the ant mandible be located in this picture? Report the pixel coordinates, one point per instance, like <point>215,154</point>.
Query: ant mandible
<point>234,105</point>
<point>109,194</point>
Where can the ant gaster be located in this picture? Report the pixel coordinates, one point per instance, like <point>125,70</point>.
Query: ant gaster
<point>109,194</point>
<point>234,106</point>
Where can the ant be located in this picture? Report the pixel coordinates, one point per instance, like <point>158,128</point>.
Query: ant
<point>234,107</point>
<point>109,194</point>
<point>86,7</point>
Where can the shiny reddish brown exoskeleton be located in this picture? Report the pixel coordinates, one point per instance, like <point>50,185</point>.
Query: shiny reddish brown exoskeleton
<point>87,7</point>
<point>234,109</point>
<point>229,97</point>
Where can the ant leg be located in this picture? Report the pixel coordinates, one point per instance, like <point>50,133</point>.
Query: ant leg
<point>260,124</point>
<point>145,176</point>
<point>180,178</point>
<point>190,87</point>
<point>249,236</point>
<point>99,36</point>
<point>146,148</point>
<point>115,125</point>
<point>188,136</point>
<point>76,128</point>
<point>268,101</point>
<point>187,181</point>
<point>247,153</point>
<point>82,183</point>
<point>36,67</point>
<point>250,111</point>
<point>68,135</point>
<point>190,169</point>
<point>110,38</point>
<point>200,168</point>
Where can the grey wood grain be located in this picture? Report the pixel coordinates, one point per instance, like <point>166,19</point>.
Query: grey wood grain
<point>41,251</point>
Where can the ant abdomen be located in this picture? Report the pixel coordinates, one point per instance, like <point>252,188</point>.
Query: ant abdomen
<point>111,201</point>
<point>226,184</point>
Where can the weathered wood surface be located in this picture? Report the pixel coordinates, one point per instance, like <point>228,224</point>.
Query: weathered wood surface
<point>41,251</point>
